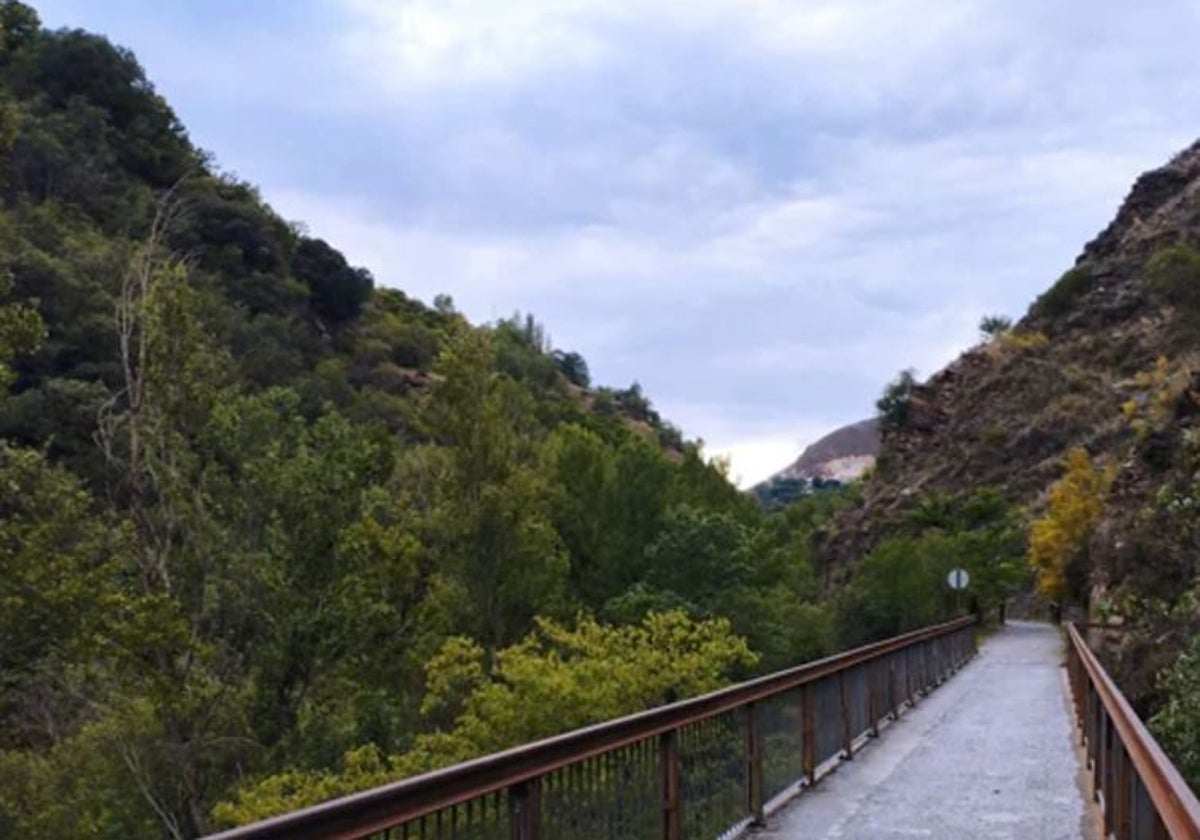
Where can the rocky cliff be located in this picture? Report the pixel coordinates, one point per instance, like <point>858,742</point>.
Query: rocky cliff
<point>1108,359</point>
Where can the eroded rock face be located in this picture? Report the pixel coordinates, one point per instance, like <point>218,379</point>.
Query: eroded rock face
<point>842,455</point>
<point>1006,413</point>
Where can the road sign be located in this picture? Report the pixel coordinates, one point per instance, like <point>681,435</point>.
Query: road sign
<point>958,578</point>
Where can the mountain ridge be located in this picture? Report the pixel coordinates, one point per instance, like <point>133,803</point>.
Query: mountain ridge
<point>1107,361</point>
<point>842,455</point>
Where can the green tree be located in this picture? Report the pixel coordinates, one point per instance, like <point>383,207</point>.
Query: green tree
<point>21,330</point>
<point>500,543</point>
<point>574,367</point>
<point>1174,272</point>
<point>579,473</point>
<point>19,24</point>
<point>1177,723</point>
<point>893,404</point>
<point>555,679</point>
<point>987,539</point>
<point>337,291</point>
<point>59,565</point>
<point>994,325</point>
<point>899,586</point>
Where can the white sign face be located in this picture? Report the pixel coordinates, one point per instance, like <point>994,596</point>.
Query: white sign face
<point>958,578</point>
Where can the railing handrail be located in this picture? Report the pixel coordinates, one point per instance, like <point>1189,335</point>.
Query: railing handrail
<point>361,813</point>
<point>1174,800</point>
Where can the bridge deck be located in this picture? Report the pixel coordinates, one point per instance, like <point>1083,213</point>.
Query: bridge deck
<point>988,755</point>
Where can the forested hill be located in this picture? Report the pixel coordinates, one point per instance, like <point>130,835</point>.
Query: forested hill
<point>270,533</point>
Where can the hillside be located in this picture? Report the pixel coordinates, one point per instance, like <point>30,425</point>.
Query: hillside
<point>1107,359</point>
<point>842,455</point>
<point>271,532</point>
<point>832,461</point>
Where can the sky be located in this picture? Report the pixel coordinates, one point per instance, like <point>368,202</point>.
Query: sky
<point>760,210</point>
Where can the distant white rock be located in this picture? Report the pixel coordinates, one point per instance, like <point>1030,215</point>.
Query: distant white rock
<point>842,455</point>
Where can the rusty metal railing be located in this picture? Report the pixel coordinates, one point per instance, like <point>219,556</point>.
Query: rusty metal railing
<point>1141,794</point>
<point>701,768</point>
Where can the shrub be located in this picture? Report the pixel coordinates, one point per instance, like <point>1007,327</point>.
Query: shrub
<point>555,679</point>
<point>893,404</point>
<point>573,367</point>
<point>1162,386</point>
<point>994,325</point>
<point>1056,300</point>
<point>1017,341</point>
<point>1177,724</point>
<point>1175,273</point>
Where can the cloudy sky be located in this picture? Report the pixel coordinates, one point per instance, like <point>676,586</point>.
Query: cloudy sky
<point>759,209</point>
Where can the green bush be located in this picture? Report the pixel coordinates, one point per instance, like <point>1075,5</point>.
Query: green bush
<point>1177,724</point>
<point>994,325</point>
<point>1056,300</point>
<point>893,404</point>
<point>1175,273</point>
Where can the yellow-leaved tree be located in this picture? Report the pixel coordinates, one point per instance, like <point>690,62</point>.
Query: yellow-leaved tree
<point>1074,508</point>
<point>555,679</point>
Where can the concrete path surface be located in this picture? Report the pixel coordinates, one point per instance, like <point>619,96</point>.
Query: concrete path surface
<point>990,754</point>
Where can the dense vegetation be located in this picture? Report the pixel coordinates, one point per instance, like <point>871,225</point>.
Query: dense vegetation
<point>271,533</point>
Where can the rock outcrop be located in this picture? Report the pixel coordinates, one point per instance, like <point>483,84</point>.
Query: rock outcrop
<point>1080,369</point>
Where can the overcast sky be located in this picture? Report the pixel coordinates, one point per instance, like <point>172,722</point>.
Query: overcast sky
<point>759,209</point>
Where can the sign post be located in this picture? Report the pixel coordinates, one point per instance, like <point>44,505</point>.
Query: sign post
<point>958,580</point>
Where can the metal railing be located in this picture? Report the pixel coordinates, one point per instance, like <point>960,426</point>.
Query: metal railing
<point>1141,794</point>
<point>701,768</point>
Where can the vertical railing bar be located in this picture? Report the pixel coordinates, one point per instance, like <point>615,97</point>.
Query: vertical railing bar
<point>754,765</point>
<point>524,810</point>
<point>809,729</point>
<point>873,693</point>
<point>668,747</point>
<point>844,708</point>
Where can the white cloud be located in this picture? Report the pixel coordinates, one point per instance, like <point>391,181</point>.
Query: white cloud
<point>764,207</point>
<point>467,41</point>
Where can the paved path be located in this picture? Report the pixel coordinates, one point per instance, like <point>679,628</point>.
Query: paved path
<point>988,755</point>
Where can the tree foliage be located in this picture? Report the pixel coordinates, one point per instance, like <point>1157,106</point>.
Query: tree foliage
<point>1058,539</point>
<point>1059,298</point>
<point>994,325</point>
<point>1177,723</point>
<point>270,533</point>
<point>893,404</point>
<point>1174,272</point>
<point>555,678</point>
<point>901,583</point>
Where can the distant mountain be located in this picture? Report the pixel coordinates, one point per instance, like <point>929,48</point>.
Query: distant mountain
<point>840,457</point>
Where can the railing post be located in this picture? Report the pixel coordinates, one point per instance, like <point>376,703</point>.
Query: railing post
<point>1098,754</point>
<point>1108,780</point>
<point>873,696</point>
<point>810,738</point>
<point>893,699</point>
<point>668,751</point>
<point>930,665</point>
<point>844,705</point>
<point>524,810</point>
<point>908,677</point>
<point>1123,796</point>
<point>754,767</point>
